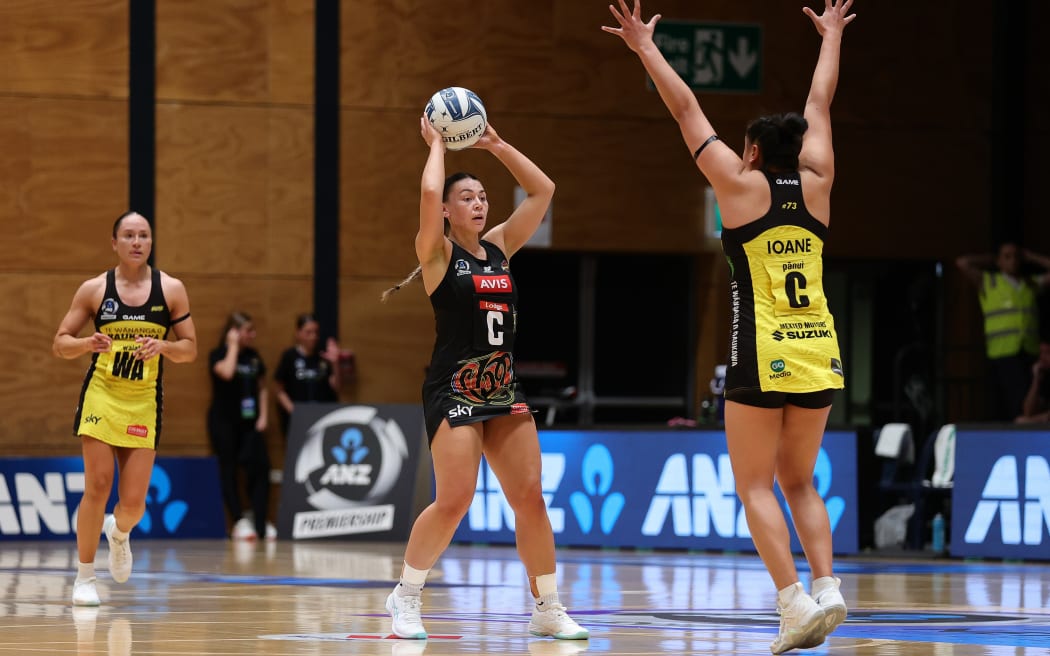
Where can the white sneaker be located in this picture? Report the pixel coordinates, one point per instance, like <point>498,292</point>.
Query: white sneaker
<point>550,619</point>
<point>244,529</point>
<point>826,594</point>
<point>801,622</point>
<point>119,551</point>
<point>84,592</point>
<point>405,616</point>
<point>271,532</point>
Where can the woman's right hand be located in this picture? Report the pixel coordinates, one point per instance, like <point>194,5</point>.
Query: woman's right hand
<point>430,134</point>
<point>100,343</point>
<point>834,17</point>
<point>635,32</point>
<point>233,337</point>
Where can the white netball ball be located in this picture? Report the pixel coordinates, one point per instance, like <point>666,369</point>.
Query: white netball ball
<point>459,115</point>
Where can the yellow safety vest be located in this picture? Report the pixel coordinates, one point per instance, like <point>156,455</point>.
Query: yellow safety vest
<point>1011,322</point>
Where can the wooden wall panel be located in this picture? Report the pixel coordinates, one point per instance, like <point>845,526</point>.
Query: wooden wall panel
<point>392,340</point>
<point>68,48</point>
<point>583,97</point>
<point>235,189</point>
<point>39,394</point>
<point>243,51</point>
<point>67,180</point>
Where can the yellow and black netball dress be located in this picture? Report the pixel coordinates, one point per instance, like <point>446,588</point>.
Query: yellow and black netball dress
<point>471,374</point>
<point>121,400</point>
<point>782,337</point>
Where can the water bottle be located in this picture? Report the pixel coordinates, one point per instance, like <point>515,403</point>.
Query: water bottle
<point>938,533</point>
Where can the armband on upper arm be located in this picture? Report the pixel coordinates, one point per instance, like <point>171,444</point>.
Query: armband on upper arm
<point>696,155</point>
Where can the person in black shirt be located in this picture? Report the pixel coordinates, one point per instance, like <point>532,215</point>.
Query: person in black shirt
<point>304,374</point>
<point>237,420</point>
<point>473,404</point>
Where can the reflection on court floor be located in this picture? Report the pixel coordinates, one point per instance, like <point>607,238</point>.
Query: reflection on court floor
<point>217,597</point>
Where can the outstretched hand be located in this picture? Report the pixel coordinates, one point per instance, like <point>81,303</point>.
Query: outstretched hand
<point>835,16</point>
<point>635,32</point>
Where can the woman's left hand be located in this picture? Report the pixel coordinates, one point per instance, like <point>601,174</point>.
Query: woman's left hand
<point>148,347</point>
<point>488,139</point>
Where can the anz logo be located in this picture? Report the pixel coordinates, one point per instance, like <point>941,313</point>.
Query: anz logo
<point>44,502</point>
<point>596,506</point>
<point>1021,517</point>
<point>490,511</point>
<point>700,495</point>
<point>694,495</point>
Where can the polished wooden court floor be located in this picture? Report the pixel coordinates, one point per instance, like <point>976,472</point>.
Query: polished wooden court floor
<point>219,597</point>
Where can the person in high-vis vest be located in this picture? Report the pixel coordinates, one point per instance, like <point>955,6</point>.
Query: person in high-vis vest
<point>1009,302</point>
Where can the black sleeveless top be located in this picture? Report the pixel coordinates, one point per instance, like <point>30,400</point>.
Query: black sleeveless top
<point>471,373</point>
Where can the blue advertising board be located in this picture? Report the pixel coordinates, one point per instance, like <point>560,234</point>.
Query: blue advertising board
<point>39,499</point>
<point>1001,495</point>
<point>654,489</point>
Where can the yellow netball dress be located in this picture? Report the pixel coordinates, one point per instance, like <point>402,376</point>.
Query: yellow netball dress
<point>782,337</point>
<point>122,398</point>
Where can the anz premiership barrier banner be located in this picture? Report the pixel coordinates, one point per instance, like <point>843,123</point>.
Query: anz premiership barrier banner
<point>40,497</point>
<point>1001,495</point>
<point>350,470</point>
<point>655,489</point>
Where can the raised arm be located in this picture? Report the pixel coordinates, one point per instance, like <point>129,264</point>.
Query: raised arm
<point>974,266</point>
<point>719,164</point>
<point>817,154</point>
<point>430,240</point>
<point>513,233</point>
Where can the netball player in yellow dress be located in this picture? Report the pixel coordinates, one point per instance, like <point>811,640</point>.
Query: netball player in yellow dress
<point>133,307</point>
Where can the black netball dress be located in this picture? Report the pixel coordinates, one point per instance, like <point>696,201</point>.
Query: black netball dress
<point>471,374</point>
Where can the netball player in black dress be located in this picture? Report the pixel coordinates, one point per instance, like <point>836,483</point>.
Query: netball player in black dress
<point>472,402</point>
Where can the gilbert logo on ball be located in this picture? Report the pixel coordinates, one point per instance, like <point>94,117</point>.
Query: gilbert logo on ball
<point>459,115</point>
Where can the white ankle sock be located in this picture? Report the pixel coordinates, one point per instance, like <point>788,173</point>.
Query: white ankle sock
<point>412,581</point>
<point>821,584</point>
<point>547,584</point>
<point>786,595</point>
<point>85,570</point>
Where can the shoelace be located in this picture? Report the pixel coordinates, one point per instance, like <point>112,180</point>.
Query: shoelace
<point>412,609</point>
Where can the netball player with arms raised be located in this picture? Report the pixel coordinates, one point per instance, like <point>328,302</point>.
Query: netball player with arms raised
<point>472,402</point>
<point>784,360</point>
<point>133,306</point>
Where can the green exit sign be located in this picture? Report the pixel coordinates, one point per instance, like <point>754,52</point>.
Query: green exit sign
<point>713,56</point>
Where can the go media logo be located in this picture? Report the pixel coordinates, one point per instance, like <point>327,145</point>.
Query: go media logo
<point>1001,496</point>
<point>43,501</point>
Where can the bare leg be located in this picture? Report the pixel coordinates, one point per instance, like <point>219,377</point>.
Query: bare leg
<point>457,455</point>
<point>98,481</point>
<point>512,449</point>
<point>753,436</point>
<point>136,467</point>
<point>802,434</point>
